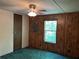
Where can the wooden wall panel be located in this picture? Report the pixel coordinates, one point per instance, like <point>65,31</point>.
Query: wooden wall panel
<point>67,33</point>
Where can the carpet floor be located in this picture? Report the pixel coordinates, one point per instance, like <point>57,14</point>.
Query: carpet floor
<point>32,54</point>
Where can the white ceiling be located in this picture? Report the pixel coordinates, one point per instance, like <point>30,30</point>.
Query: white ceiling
<point>51,6</point>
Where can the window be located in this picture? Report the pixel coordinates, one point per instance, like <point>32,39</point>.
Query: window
<point>50,28</point>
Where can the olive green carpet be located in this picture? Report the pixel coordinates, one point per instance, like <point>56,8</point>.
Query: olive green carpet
<point>32,54</point>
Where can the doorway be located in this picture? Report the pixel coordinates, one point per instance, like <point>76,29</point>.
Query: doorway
<point>17,31</point>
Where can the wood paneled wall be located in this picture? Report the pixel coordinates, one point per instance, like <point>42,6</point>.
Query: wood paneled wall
<point>67,33</point>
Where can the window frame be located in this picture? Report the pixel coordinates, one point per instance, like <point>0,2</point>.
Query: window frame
<point>44,31</point>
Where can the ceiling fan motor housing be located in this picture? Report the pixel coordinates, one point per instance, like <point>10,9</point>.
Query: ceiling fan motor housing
<point>32,6</point>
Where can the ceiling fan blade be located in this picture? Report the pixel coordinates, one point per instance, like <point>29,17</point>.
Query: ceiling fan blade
<point>43,10</point>
<point>40,13</point>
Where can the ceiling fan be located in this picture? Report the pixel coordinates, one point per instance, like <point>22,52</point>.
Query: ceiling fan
<point>33,11</point>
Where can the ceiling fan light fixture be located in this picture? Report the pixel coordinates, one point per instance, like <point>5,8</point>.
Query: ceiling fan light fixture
<point>32,14</point>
